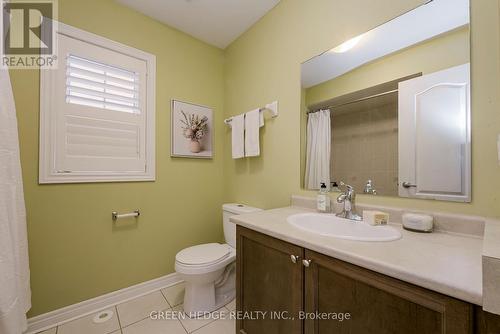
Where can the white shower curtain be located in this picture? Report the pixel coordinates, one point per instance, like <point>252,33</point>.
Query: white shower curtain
<point>15,295</point>
<point>318,149</point>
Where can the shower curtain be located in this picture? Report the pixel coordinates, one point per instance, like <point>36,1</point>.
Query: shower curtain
<point>15,295</point>
<point>318,149</point>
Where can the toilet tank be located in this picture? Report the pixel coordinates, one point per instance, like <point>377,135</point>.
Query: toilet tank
<point>229,210</point>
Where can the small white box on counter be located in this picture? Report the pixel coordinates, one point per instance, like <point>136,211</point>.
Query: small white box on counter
<point>373,217</point>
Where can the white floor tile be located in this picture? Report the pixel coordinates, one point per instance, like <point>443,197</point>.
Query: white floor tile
<point>85,325</point>
<point>218,327</point>
<point>174,294</point>
<point>192,324</point>
<point>149,326</point>
<point>133,316</point>
<point>232,305</point>
<point>140,308</point>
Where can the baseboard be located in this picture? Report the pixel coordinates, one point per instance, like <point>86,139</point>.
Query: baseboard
<point>57,317</point>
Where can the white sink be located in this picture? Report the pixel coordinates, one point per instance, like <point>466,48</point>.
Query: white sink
<point>333,226</point>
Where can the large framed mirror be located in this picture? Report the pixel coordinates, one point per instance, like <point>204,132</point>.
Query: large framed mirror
<point>388,111</point>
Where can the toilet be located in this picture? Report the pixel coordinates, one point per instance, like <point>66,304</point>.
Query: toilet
<point>209,270</point>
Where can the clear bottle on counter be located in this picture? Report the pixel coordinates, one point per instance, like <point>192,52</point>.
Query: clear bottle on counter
<point>323,199</point>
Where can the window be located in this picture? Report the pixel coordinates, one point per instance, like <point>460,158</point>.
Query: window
<point>97,112</point>
<point>98,85</point>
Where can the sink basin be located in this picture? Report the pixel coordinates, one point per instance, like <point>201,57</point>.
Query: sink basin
<point>333,226</point>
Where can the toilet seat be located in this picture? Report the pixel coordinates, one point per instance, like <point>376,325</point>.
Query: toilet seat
<point>204,254</point>
<point>204,258</point>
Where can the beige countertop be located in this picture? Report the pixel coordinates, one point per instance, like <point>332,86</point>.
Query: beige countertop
<point>491,239</point>
<point>445,262</point>
<point>491,267</point>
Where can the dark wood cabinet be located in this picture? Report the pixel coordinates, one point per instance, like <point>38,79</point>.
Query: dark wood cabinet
<point>485,322</point>
<point>376,303</point>
<point>325,295</point>
<point>268,281</point>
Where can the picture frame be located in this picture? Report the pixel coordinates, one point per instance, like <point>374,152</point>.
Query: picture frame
<point>192,133</point>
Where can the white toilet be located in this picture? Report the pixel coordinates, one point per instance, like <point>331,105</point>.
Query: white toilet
<point>209,269</point>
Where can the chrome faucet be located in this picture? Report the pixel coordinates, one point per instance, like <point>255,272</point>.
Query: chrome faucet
<point>348,197</point>
<point>369,188</point>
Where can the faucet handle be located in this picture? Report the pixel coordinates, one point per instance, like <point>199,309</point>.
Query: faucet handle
<point>341,198</point>
<point>369,188</point>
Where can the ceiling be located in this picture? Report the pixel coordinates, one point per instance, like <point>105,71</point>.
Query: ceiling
<point>421,24</point>
<point>216,22</point>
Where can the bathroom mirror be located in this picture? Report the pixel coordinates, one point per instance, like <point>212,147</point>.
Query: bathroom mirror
<point>388,111</point>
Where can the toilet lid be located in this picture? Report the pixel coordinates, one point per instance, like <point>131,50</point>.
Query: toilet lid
<point>203,254</point>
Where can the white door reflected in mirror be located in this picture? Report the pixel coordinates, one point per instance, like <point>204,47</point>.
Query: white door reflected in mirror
<point>434,136</point>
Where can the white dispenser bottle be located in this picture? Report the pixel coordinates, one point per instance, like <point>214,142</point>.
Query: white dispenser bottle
<point>323,200</point>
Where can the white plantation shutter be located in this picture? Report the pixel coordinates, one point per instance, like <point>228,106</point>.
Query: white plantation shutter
<point>94,84</point>
<point>100,122</point>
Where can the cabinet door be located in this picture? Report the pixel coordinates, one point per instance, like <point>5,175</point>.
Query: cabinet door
<point>377,304</point>
<point>434,136</point>
<point>268,281</point>
<point>485,322</point>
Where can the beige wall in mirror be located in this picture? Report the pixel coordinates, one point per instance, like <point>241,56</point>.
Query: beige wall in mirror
<point>364,101</point>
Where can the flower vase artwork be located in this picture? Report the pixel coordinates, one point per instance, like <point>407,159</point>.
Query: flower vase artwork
<point>191,130</point>
<point>194,129</point>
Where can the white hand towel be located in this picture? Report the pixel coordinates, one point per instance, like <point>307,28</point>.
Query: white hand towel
<point>237,136</point>
<point>253,121</point>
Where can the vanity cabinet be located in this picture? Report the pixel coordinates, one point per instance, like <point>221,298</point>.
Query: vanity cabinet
<point>485,322</point>
<point>376,303</point>
<point>270,280</point>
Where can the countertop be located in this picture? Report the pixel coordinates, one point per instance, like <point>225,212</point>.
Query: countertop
<point>445,262</point>
<point>491,239</point>
<point>491,267</point>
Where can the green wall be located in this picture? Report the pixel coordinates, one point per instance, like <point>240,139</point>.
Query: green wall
<point>75,252</point>
<point>264,65</point>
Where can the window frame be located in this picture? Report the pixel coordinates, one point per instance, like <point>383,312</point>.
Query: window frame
<point>47,113</point>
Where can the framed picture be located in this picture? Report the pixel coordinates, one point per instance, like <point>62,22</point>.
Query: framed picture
<point>192,130</point>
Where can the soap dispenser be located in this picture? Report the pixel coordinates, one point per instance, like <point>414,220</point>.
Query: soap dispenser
<point>323,200</point>
<point>335,187</point>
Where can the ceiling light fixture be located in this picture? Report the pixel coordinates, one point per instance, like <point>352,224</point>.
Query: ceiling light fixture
<point>347,45</point>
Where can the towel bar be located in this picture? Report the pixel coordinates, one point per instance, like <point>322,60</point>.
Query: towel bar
<point>272,107</point>
<point>115,215</point>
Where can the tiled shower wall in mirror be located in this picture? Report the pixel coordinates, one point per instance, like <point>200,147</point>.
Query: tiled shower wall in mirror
<point>365,144</point>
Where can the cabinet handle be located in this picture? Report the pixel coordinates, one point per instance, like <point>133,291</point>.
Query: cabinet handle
<point>294,258</point>
<point>306,263</point>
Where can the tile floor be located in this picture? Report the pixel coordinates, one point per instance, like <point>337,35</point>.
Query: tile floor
<point>133,317</point>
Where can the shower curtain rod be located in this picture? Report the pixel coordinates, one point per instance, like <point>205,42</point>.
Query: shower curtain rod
<point>354,101</point>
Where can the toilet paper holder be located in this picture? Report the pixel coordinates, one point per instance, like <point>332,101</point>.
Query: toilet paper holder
<point>115,215</point>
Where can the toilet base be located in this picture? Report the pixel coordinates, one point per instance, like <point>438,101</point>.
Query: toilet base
<point>209,297</point>
<point>224,299</point>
